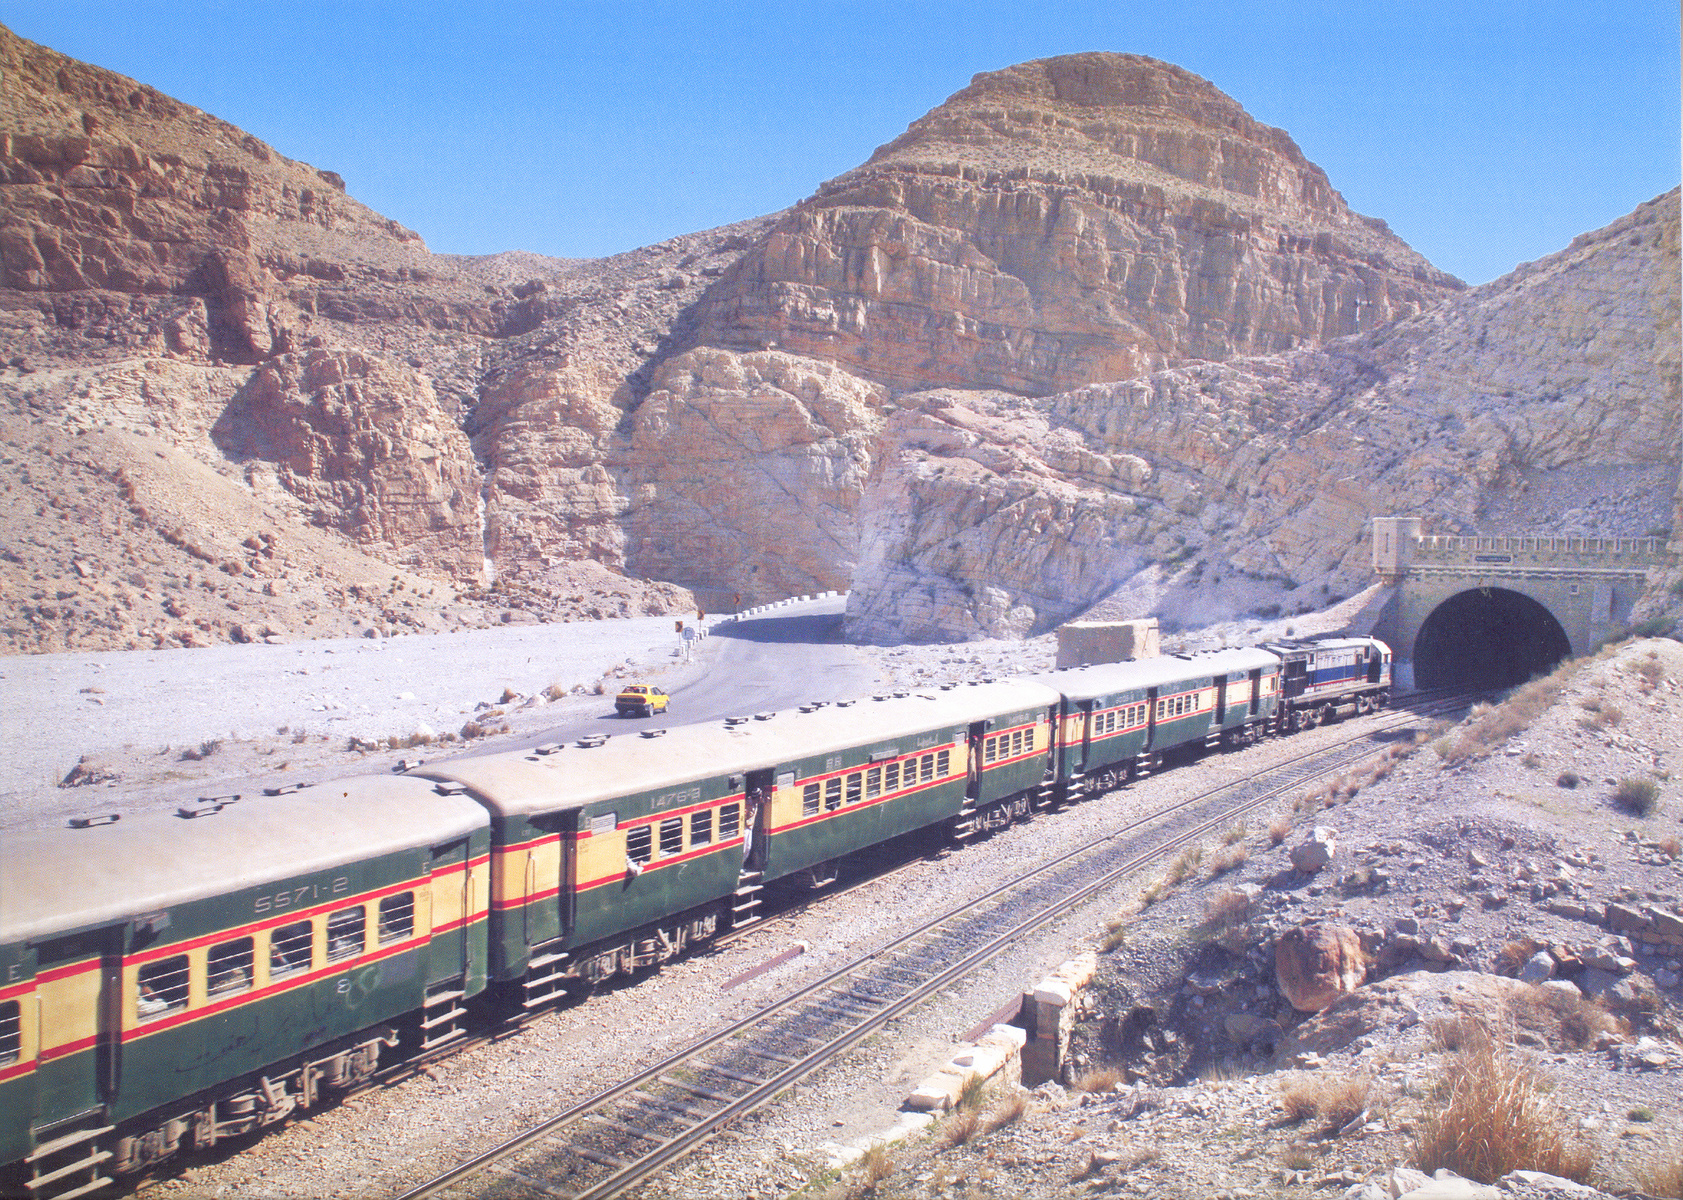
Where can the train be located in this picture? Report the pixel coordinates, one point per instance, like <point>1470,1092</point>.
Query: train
<point>174,979</point>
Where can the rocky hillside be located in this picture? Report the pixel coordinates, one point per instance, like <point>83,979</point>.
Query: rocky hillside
<point>747,411</point>
<point>1544,402</point>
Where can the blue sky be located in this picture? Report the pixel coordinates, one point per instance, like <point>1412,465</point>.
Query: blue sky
<point>1486,133</point>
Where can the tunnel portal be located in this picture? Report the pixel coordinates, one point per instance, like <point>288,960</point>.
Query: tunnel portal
<point>1487,637</point>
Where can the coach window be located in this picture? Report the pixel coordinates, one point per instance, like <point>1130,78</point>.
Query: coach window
<point>671,836</point>
<point>163,987</point>
<point>397,917</point>
<point>1016,742</point>
<point>11,1032</point>
<point>891,777</point>
<point>926,767</point>
<point>701,827</point>
<point>637,841</point>
<point>346,933</point>
<point>228,970</point>
<point>289,949</point>
<point>832,794</point>
<point>809,800</point>
<point>853,785</point>
<point>730,820</point>
<point>990,749</point>
<point>943,763</point>
<point>873,782</point>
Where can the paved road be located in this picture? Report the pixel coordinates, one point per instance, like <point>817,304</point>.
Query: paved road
<point>772,661</point>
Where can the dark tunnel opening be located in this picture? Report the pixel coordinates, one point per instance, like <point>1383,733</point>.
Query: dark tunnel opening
<point>1487,637</point>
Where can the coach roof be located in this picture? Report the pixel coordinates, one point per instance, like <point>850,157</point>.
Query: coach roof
<point>1105,679</point>
<point>523,783</point>
<point>56,880</point>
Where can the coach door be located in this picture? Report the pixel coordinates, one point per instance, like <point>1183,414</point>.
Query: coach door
<point>973,777</point>
<point>1256,691</point>
<point>1221,700</point>
<point>79,989</point>
<point>452,902</point>
<point>1373,664</point>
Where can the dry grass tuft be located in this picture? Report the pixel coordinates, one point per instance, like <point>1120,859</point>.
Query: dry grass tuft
<point>1499,1117</point>
<point>202,751</point>
<point>1008,1111</point>
<point>1115,935</point>
<point>1229,859</point>
<point>1336,1101</point>
<point>1098,1079</point>
<point>1662,1175</point>
<point>1235,833</point>
<point>554,692</point>
<point>1513,956</point>
<point>1279,829</point>
<point>1565,1022</point>
<point>970,1095</point>
<point>875,1165</point>
<point>960,1127</point>
<point>1487,728</point>
<point>1671,847</point>
<point>1226,909</point>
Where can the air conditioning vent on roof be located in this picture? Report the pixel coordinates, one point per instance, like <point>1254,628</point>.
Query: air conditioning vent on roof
<point>901,695</point>
<point>654,733</point>
<point>593,740</point>
<point>90,822</point>
<point>549,748</point>
<point>764,716</point>
<point>205,805</point>
<point>450,787</point>
<point>731,721</point>
<point>846,703</point>
<point>947,687</point>
<point>286,789</point>
<point>398,767</point>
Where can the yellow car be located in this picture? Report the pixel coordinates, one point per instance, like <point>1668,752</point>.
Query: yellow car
<point>641,699</point>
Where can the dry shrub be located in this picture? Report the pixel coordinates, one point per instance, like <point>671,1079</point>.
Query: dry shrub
<point>471,730</point>
<point>1115,934</point>
<point>509,696</point>
<point>1336,1101</point>
<point>1279,829</point>
<point>1499,1117</point>
<point>1487,728</point>
<point>1568,779</point>
<point>1185,863</point>
<point>970,1095</point>
<point>202,751</point>
<point>1671,847</point>
<point>1639,797</point>
<point>554,692</point>
<point>1662,1175</point>
<point>1098,1079</point>
<point>1235,833</point>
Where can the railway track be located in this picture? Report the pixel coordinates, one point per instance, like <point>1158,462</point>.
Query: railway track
<point>627,1133</point>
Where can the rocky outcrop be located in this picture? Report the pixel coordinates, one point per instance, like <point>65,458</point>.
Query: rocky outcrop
<point>1318,964</point>
<point>1547,401</point>
<point>1075,219</point>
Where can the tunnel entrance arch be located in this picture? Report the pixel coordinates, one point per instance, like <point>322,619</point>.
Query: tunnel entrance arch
<point>1487,637</point>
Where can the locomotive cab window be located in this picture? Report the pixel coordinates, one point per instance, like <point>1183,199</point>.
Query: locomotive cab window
<point>701,828</point>
<point>397,917</point>
<point>638,840</point>
<point>730,821</point>
<point>671,836</point>
<point>346,931</point>
<point>228,969</point>
<point>289,949</point>
<point>163,988</point>
<point>11,1032</point>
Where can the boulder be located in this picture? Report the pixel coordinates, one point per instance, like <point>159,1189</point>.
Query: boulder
<point>1316,851</point>
<point>1317,964</point>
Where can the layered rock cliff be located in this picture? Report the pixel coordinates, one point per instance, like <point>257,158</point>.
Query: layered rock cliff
<point>1062,222</point>
<point>1060,337</point>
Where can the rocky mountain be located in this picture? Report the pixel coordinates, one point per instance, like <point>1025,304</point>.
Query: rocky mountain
<point>1064,331</point>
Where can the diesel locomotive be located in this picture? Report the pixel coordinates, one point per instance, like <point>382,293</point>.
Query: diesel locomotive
<point>174,979</point>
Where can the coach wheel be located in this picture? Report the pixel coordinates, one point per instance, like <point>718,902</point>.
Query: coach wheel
<point>1329,714</point>
<point>1363,706</point>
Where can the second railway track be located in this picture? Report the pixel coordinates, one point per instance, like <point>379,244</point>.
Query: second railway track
<point>630,1131</point>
